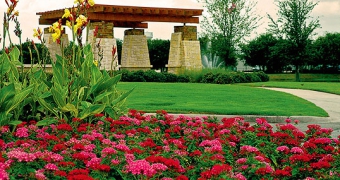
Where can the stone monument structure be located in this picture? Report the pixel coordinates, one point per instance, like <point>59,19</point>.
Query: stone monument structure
<point>184,51</point>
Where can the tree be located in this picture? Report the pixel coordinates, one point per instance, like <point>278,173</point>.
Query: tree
<point>229,22</point>
<point>159,53</point>
<point>257,51</point>
<point>295,24</point>
<point>327,50</point>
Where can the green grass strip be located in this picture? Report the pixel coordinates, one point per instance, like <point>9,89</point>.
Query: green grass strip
<point>216,99</point>
<point>329,87</point>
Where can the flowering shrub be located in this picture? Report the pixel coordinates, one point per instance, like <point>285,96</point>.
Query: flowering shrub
<point>163,147</point>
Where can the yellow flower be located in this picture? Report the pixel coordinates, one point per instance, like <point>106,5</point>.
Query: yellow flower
<point>81,19</point>
<point>68,24</point>
<point>78,1</point>
<point>95,62</point>
<point>91,2</point>
<point>66,14</point>
<point>16,13</point>
<point>56,35</point>
<point>35,33</point>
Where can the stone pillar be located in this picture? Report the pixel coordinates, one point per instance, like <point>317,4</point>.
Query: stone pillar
<point>185,51</point>
<point>135,53</point>
<point>53,47</point>
<point>106,41</point>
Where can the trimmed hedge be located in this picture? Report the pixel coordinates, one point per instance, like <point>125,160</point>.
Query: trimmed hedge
<point>209,77</point>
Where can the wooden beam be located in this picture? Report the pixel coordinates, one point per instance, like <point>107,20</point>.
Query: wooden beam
<point>141,18</point>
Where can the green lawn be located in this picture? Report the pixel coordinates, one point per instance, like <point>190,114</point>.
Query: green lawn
<point>216,99</point>
<point>330,87</point>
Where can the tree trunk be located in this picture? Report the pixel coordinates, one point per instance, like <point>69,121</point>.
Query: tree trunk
<point>297,73</point>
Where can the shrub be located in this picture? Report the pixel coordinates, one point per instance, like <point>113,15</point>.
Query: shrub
<point>153,76</point>
<point>263,76</point>
<point>169,77</point>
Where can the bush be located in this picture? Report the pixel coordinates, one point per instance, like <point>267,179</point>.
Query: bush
<point>153,76</point>
<point>216,77</point>
<point>263,76</point>
<point>169,77</point>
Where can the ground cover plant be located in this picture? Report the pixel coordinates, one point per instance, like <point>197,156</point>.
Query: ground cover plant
<point>163,147</point>
<point>329,87</point>
<point>215,99</point>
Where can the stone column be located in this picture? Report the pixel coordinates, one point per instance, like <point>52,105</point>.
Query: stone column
<point>135,52</point>
<point>102,45</point>
<point>53,47</point>
<point>185,51</point>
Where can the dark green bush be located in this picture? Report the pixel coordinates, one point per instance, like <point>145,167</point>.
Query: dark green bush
<point>153,76</point>
<point>169,77</point>
<point>263,76</point>
<point>183,78</point>
<point>208,77</point>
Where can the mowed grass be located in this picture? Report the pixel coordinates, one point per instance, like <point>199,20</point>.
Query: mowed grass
<point>329,87</point>
<point>216,99</point>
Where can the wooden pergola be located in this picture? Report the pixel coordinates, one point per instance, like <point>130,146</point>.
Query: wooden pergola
<point>129,16</point>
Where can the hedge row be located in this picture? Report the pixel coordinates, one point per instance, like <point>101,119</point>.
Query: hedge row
<point>210,77</point>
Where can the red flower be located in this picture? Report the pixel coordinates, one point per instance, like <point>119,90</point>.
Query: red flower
<point>182,177</point>
<point>64,127</point>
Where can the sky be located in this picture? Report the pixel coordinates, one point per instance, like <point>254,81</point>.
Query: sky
<point>328,12</point>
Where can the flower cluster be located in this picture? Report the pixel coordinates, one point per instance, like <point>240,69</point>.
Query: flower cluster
<point>164,147</point>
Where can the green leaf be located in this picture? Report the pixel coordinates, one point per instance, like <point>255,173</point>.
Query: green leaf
<point>101,96</point>
<point>18,98</point>
<point>70,108</point>
<point>14,54</point>
<point>14,123</point>
<point>107,85</point>
<point>122,97</point>
<point>4,64</point>
<point>4,118</point>
<point>47,106</point>
<point>47,121</point>
<point>6,93</point>
<point>58,98</point>
<point>96,75</point>
<point>92,110</point>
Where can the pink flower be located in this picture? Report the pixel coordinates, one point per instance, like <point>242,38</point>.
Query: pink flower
<point>140,167</point>
<point>51,167</point>
<point>39,174</point>
<point>241,161</point>
<point>282,148</point>
<point>21,132</point>
<point>115,161</point>
<point>296,121</point>
<point>296,150</point>
<point>288,120</point>
<point>248,148</point>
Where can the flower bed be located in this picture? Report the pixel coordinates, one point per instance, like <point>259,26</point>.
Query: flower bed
<point>164,147</point>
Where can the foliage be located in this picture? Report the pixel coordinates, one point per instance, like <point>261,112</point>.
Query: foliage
<point>204,76</point>
<point>269,53</point>
<point>294,24</point>
<point>78,89</point>
<point>227,24</point>
<point>13,92</point>
<point>234,77</point>
<point>159,53</point>
<point>327,51</point>
<point>165,147</point>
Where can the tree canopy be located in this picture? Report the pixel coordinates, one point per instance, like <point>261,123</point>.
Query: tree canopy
<point>227,24</point>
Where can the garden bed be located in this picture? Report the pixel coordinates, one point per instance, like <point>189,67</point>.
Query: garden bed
<point>164,147</point>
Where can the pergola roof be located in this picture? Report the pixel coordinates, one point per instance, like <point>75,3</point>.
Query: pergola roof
<point>129,16</point>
